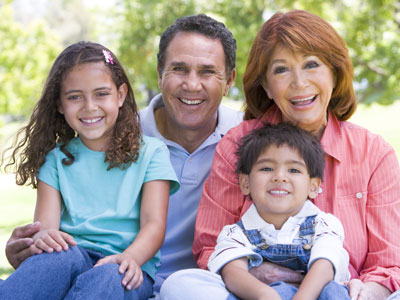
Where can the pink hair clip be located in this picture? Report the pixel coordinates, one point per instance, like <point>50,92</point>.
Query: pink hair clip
<point>108,57</point>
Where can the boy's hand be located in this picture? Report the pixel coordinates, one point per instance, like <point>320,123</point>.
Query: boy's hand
<point>50,239</point>
<point>20,246</point>
<point>133,273</point>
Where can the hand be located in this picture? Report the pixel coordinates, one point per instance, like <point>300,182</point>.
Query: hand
<point>367,291</point>
<point>20,246</point>
<point>50,239</point>
<point>269,272</point>
<point>133,273</point>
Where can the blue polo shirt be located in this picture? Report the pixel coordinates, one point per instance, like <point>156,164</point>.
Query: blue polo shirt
<point>192,170</point>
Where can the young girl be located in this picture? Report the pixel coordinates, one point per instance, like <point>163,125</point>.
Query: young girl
<point>101,185</point>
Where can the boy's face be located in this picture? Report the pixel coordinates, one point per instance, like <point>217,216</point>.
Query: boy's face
<point>279,184</point>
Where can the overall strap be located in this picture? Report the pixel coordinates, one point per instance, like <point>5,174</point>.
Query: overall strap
<point>252,235</point>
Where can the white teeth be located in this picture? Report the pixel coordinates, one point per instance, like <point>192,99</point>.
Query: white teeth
<point>304,99</point>
<point>190,102</point>
<point>279,192</point>
<point>90,121</point>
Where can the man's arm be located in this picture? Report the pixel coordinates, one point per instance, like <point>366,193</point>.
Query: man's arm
<point>20,245</point>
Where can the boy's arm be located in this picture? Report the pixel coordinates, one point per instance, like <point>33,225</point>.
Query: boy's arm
<point>153,220</point>
<point>319,274</point>
<point>239,281</point>
<point>48,213</point>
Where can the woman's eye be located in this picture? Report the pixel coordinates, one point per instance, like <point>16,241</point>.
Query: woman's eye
<point>311,65</point>
<point>103,94</point>
<point>280,70</point>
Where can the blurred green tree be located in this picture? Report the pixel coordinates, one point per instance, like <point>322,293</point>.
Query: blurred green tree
<point>370,28</point>
<point>26,55</point>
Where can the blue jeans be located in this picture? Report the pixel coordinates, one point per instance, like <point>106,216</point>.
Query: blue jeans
<point>331,291</point>
<point>70,275</point>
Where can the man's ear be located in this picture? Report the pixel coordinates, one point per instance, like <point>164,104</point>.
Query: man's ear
<point>244,184</point>
<point>230,82</point>
<point>314,187</point>
<point>159,77</point>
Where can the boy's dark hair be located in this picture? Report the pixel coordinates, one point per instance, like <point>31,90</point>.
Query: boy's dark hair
<point>257,141</point>
<point>204,25</point>
<point>47,127</point>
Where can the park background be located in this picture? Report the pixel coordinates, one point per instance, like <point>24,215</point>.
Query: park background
<point>33,33</point>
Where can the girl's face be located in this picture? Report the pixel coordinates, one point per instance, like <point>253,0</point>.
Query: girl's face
<point>301,86</point>
<point>90,102</point>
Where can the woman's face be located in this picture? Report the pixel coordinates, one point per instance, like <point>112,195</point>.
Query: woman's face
<point>301,86</point>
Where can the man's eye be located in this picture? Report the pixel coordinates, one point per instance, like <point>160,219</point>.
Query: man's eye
<point>179,69</point>
<point>208,71</point>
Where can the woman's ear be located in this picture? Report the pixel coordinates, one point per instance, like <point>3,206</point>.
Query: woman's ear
<point>265,87</point>
<point>314,187</point>
<point>244,184</point>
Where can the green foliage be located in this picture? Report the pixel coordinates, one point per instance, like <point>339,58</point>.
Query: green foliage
<point>25,57</point>
<point>369,27</point>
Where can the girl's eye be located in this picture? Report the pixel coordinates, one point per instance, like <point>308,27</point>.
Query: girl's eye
<point>280,70</point>
<point>73,97</point>
<point>311,65</point>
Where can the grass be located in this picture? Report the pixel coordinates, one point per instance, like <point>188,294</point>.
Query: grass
<point>17,203</point>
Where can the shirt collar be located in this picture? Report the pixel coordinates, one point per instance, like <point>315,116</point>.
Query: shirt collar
<point>252,220</point>
<point>330,138</point>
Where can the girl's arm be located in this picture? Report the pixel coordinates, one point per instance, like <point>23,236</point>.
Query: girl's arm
<point>48,213</point>
<point>239,281</point>
<point>319,274</point>
<point>153,220</point>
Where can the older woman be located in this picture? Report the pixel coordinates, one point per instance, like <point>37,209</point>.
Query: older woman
<point>299,71</point>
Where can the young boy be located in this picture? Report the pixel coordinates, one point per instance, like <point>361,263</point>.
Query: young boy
<point>280,168</point>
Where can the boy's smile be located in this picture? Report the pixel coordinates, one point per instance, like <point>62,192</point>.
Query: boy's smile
<point>279,184</point>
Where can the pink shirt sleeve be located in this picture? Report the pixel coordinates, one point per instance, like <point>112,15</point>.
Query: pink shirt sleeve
<point>222,202</point>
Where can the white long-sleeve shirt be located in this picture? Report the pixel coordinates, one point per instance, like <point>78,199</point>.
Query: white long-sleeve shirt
<point>327,243</point>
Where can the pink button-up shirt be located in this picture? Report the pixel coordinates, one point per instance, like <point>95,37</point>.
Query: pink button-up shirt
<point>361,187</point>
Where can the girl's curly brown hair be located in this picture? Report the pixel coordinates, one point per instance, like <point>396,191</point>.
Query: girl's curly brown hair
<point>47,127</point>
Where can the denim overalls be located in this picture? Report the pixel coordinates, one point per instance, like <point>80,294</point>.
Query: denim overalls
<point>295,257</point>
<point>292,256</point>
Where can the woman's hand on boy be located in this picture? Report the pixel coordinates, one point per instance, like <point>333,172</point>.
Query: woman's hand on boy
<point>269,272</point>
<point>133,273</point>
<point>50,240</point>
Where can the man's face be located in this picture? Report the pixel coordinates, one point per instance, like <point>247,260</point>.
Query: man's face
<point>193,81</point>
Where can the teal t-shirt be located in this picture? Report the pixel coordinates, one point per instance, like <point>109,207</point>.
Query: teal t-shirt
<point>101,209</point>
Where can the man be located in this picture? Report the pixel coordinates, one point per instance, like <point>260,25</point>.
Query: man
<point>196,68</point>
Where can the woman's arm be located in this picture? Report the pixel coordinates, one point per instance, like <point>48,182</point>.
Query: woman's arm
<point>319,274</point>
<point>239,281</point>
<point>153,220</point>
<point>48,213</point>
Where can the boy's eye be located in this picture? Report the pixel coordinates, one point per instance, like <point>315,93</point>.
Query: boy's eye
<point>266,169</point>
<point>293,170</point>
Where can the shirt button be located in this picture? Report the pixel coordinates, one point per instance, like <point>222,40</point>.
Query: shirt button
<point>359,195</point>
